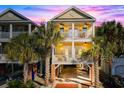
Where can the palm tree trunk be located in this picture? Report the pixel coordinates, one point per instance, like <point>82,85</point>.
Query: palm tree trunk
<point>110,67</point>
<point>96,72</point>
<point>47,71</point>
<point>25,72</point>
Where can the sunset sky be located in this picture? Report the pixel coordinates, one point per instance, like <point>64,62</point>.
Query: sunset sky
<point>43,13</point>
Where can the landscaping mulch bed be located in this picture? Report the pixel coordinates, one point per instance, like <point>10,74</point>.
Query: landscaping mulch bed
<point>66,86</point>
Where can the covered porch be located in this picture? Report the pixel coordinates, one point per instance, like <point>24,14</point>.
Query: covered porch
<point>79,73</point>
<point>71,53</point>
<point>72,71</point>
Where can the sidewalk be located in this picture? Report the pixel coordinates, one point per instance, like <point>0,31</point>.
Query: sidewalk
<point>4,86</point>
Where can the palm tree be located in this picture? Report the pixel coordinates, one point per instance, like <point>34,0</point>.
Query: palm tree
<point>44,39</point>
<point>112,33</point>
<point>107,44</point>
<point>98,52</point>
<point>102,51</point>
<point>20,48</point>
<point>95,53</point>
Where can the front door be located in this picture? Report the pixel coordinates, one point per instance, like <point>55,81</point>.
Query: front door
<point>70,33</point>
<point>76,33</point>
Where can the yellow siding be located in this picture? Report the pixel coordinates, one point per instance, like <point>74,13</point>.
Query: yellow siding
<point>60,48</point>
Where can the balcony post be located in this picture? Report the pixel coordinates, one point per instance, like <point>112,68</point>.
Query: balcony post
<point>92,75</point>
<point>29,29</point>
<point>53,72</point>
<point>90,72</point>
<point>10,29</point>
<point>73,48</point>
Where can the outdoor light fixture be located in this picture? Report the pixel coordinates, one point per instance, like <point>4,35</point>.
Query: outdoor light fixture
<point>61,27</point>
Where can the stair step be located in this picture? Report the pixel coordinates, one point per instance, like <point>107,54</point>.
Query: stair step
<point>37,84</point>
<point>83,78</point>
<point>80,81</point>
<point>39,80</point>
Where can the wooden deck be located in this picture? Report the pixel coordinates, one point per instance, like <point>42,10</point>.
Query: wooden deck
<point>58,84</point>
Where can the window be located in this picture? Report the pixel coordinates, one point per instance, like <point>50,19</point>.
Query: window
<point>84,29</point>
<point>20,28</point>
<point>61,27</point>
<point>5,28</point>
<point>70,33</point>
<point>62,30</point>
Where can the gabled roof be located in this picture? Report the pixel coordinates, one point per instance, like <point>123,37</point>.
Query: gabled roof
<point>17,14</point>
<point>76,9</point>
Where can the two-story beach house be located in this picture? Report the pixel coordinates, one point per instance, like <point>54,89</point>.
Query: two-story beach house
<point>12,24</point>
<point>78,28</point>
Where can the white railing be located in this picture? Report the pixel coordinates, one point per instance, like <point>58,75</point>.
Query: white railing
<point>14,34</point>
<point>77,35</point>
<point>4,34</point>
<point>3,58</point>
<point>63,59</point>
<point>66,34</point>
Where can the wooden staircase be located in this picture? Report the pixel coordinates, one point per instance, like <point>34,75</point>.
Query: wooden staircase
<point>81,80</point>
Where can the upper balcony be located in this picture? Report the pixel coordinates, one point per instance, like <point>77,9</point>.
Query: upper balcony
<point>76,31</point>
<point>8,31</point>
<point>78,36</point>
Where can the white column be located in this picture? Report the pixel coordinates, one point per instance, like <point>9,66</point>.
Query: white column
<point>29,29</point>
<point>93,29</point>
<point>10,30</point>
<point>73,48</point>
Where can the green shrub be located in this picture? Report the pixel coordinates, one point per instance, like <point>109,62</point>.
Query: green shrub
<point>30,84</point>
<point>15,84</point>
<point>20,84</point>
